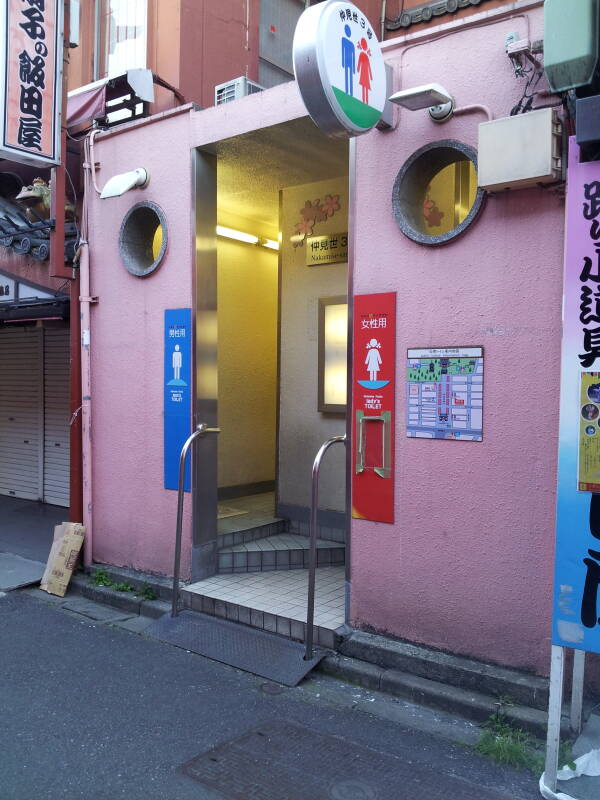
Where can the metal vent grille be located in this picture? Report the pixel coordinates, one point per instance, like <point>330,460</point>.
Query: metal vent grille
<point>233,90</point>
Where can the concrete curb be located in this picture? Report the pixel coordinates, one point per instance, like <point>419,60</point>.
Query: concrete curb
<point>126,601</point>
<point>468,704</point>
<point>466,673</point>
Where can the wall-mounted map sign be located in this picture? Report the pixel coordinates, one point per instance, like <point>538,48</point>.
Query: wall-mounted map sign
<point>328,249</point>
<point>444,393</point>
<point>339,68</point>
<point>31,51</point>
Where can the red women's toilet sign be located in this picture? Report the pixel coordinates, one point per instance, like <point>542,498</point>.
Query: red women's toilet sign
<point>373,406</point>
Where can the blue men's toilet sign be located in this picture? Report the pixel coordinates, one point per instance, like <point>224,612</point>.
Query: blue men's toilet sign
<point>177,392</point>
<point>339,68</point>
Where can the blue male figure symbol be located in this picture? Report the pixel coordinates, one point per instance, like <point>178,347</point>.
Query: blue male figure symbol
<point>348,60</point>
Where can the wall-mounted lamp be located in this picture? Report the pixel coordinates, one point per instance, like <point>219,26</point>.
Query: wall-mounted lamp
<point>247,238</point>
<point>119,184</point>
<point>431,96</point>
<point>332,351</point>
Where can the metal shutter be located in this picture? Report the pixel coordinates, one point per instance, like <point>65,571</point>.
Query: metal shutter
<point>56,416</point>
<point>21,416</point>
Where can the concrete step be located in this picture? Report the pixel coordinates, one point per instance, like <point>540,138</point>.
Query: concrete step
<point>125,601</point>
<point>499,683</point>
<point>272,528</point>
<point>470,704</point>
<point>284,551</point>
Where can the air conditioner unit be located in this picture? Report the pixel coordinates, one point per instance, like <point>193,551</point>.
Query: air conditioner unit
<point>520,151</point>
<point>233,90</point>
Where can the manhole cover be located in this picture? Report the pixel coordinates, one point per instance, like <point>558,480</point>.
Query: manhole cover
<point>280,760</point>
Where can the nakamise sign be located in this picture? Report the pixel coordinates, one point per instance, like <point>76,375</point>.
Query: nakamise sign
<point>31,34</point>
<point>339,68</point>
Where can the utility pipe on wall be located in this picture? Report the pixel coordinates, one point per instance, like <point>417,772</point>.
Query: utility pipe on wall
<point>86,385</point>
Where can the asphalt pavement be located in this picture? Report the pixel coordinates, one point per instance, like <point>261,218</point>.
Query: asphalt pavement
<point>92,710</point>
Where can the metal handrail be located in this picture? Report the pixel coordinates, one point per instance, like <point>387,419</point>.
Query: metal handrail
<point>200,431</point>
<point>312,553</point>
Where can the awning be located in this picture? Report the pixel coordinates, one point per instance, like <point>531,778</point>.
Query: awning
<point>31,309</point>
<point>89,102</point>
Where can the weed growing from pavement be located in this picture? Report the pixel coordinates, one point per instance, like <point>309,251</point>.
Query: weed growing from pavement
<point>509,745</point>
<point>102,578</point>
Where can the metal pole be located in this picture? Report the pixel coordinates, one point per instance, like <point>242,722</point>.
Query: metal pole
<point>312,553</point>
<point>202,428</point>
<point>577,690</point>
<point>554,715</point>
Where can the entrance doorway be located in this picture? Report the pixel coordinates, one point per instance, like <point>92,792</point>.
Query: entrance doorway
<point>280,256</point>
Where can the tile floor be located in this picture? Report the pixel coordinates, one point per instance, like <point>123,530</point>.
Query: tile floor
<point>284,541</point>
<point>259,508</point>
<point>281,593</point>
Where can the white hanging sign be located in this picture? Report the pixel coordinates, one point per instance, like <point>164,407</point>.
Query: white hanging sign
<point>339,68</point>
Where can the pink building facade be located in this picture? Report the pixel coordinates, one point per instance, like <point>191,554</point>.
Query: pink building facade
<point>467,565</point>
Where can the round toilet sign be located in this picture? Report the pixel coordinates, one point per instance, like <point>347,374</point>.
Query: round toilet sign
<point>339,68</point>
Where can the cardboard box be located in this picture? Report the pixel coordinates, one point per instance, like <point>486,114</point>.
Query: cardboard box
<point>68,540</point>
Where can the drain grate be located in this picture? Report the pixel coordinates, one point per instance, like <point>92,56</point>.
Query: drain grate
<point>280,760</point>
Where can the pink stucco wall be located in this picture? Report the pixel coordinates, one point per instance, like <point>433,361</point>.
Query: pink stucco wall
<point>134,517</point>
<point>467,566</point>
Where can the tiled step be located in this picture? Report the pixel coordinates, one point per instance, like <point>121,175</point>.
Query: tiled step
<point>274,601</point>
<point>280,552</point>
<point>272,528</point>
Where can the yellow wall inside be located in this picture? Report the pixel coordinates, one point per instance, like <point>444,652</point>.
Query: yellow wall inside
<point>247,320</point>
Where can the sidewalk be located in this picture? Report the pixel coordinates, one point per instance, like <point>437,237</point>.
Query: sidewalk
<point>94,711</point>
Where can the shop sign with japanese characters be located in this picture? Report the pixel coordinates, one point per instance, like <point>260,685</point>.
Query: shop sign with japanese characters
<point>328,249</point>
<point>31,35</point>
<point>339,68</point>
<point>373,406</point>
<point>577,569</point>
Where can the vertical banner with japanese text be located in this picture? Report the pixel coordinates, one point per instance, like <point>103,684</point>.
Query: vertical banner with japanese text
<point>177,392</point>
<point>31,42</point>
<point>577,567</point>
<point>373,406</point>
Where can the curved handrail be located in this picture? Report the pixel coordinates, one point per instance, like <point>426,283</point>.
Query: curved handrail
<point>312,553</point>
<point>200,430</point>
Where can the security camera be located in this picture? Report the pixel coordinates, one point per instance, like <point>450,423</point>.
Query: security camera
<point>119,184</point>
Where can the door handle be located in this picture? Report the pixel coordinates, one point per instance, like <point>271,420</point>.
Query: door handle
<point>385,418</point>
<point>203,428</point>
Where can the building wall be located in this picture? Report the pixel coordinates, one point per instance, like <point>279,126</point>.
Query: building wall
<point>302,428</point>
<point>467,566</point>
<point>134,517</point>
<point>247,320</point>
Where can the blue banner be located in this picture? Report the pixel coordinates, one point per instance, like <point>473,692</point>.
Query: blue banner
<point>177,392</point>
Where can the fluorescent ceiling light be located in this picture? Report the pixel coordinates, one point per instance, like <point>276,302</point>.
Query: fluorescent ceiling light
<point>271,244</point>
<point>239,236</point>
<point>430,94</point>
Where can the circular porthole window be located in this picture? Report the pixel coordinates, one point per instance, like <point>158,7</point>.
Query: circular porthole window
<point>435,196</point>
<point>143,239</point>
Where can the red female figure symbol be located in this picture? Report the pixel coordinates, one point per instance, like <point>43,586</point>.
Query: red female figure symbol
<point>363,67</point>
